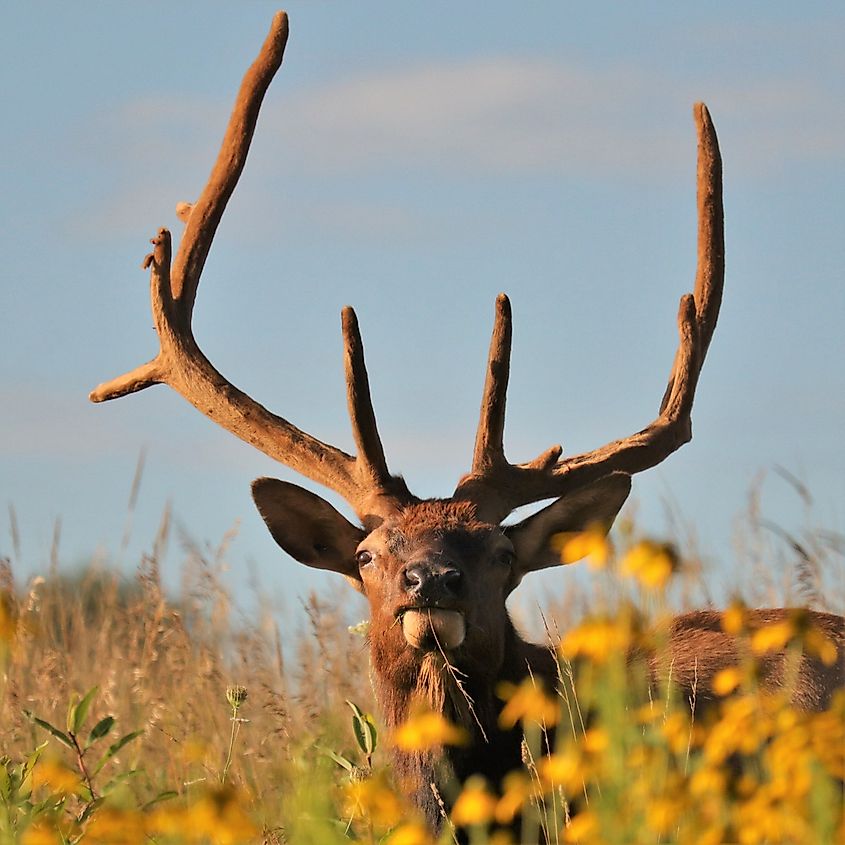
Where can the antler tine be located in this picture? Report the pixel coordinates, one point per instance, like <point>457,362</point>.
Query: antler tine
<point>710,269</point>
<point>181,364</point>
<point>710,272</point>
<point>498,490</point>
<point>384,490</point>
<point>489,439</point>
<point>371,460</point>
<point>207,211</point>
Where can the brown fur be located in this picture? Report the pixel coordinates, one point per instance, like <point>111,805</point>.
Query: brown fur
<point>440,516</point>
<point>698,648</point>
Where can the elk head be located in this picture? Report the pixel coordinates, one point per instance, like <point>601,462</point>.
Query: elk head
<point>436,573</point>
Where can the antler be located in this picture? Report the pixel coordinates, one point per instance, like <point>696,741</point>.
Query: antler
<point>364,481</point>
<point>497,487</point>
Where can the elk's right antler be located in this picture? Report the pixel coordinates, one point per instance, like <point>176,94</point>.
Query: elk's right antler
<point>498,487</point>
<point>364,481</point>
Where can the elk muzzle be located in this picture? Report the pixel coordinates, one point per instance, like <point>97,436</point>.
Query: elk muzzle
<point>432,583</point>
<point>431,621</point>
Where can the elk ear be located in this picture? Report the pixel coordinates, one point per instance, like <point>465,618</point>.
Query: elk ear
<point>308,528</point>
<point>596,504</point>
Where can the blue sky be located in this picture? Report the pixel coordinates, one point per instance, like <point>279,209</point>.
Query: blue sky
<point>413,160</point>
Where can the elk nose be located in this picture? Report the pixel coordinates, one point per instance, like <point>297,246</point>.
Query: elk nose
<point>429,584</point>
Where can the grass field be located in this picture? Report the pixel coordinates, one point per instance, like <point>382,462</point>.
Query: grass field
<point>128,715</point>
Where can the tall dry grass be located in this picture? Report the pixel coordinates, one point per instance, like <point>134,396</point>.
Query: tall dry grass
<point>162,664</point>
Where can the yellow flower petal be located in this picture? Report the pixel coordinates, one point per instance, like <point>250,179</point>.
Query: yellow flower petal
<point>475,804</point>
<point>375,800</point>
<point>772,637</point>
<point>425,729</point>
<point>527,702</point>
<point>592,544</point>
<point>57,777</point>
<point>410,833</point>
<point>734,618</point>
<point>727,680</point>
<point>818,644</point>
<point>517,792</point>
<point>652,564</point>
<point>597,640</point>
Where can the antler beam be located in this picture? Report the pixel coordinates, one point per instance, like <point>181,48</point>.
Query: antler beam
<point>499,487</point>
<point>365,481</point>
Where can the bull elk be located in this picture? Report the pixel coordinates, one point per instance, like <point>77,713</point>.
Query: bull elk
<point>437,572</point>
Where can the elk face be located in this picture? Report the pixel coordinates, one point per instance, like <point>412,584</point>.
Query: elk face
<point>436,576</point>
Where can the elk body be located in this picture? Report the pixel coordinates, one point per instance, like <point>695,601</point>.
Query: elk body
<point>437,572</point>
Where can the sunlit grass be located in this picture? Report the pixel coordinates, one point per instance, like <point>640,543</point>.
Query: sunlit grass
<point>204,731</point>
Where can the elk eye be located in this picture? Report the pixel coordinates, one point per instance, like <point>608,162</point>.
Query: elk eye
<point>505,559</point>
<point>364,557</point>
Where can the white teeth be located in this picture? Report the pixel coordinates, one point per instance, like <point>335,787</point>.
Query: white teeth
<point>447,626</point>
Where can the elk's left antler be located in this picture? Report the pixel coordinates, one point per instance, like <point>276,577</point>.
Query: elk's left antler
<point>498,487</point>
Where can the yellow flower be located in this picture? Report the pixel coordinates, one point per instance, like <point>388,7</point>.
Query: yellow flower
<point>220,816</point>
<point>375,800</point>
<point>410,833</point>
<point>426,729</point>
<point>111,826</point>
<point>597,640</point>
<point>677,730</point>
<point>662,814</point>
<point>582,828</point>
<point>527,702</point>
<point>818,644</point>
<point>772,637</point>
<point>564,768</point>
<point>708,780</point>
<point>596,741</point>
<point>592,544</point>
<point>734,618</point>
<point>652,564</point>
<point>57,777</point>
<point>475,804</point>
<point>648,713</point>
<point>727,680</point>
<point>44,832</point>
<point>517,791</point>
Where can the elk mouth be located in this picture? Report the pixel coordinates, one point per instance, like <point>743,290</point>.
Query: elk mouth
<point>427,628</point>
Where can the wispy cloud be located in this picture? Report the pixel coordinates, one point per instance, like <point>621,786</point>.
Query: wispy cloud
<point>531,115</point>
<point>497,115</point>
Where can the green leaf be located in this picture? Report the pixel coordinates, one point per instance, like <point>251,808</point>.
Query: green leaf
<point>114,748</point>
<point>364,729</point>
<point>79,713</point>
<point>341,760</point>
<point>162,796</point>
<point>29,764</point>
<point>100,729</point>
<point>59,735</point>
<point>71,707</point>
<point>356,710</point>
